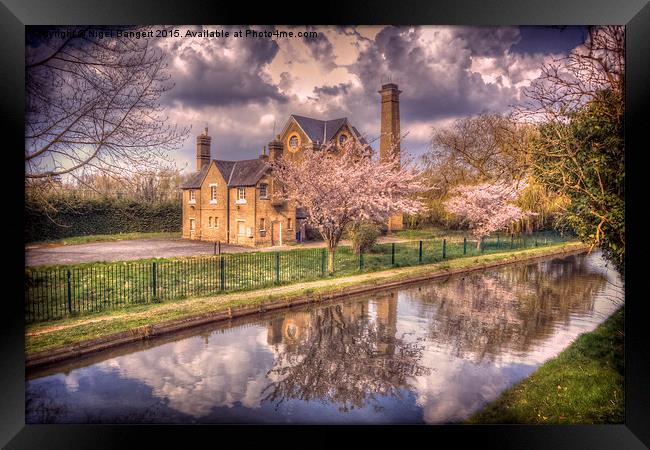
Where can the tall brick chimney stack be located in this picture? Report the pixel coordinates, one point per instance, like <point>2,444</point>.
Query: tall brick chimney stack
<point>203,150</point>
<point>275,148</point>
<point>390,136</point>
<point>389,120</point>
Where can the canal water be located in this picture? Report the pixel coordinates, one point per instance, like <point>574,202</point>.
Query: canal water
<point>429,353</point>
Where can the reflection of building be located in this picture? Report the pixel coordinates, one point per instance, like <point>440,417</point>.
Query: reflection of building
<point>296,327</point>
<point>386,322</point>
<point>289,329</point>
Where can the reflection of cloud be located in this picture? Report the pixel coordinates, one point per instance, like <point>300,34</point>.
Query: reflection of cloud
<point>196,376</point>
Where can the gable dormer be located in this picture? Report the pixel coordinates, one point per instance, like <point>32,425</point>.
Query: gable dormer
<point>302,132</point>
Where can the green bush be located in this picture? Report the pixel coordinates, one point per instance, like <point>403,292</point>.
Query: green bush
<point>363,236</point>
<point>83,217</point>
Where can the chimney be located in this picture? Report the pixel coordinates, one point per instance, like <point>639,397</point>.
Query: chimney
<point>203,150</point>
<point>275,148</point>
<point>390,134</point>
<point>264,156</point>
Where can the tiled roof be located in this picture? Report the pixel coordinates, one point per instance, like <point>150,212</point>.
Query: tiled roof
<point>247,172</point>
<point>195,180</point>
<point>319,130</point>
<point>236,173</point>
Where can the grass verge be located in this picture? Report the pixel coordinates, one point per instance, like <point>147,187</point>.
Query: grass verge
<point>60,333</point>
<point>583,384</point>
<point>109,238</point>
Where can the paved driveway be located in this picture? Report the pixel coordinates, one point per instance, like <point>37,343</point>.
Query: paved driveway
<point>121,251</point>
<point>40,255</point>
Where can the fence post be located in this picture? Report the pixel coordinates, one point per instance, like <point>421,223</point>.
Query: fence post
<point>444,248</point>
<point>155,287</point>
<point>322,262</point>
<point>392,254</point>
<point>498,241</point>
<point>535,241</point>
<point>222,273</point>
<point>512,240</point>
<point>215,249</point>
<point>277,267</point>
<point>69,293</point>
<point>360,260</point>
<point>420,256</point>
<point>481,243</point>
<point>219,246</point>
<point>464,245</point>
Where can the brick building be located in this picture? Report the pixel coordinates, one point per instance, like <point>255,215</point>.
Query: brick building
<point>231,202</point>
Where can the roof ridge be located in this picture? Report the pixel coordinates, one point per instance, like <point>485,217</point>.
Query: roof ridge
<point>232,170</point>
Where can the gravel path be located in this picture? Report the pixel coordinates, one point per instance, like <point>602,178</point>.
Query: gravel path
<point>39,255</point>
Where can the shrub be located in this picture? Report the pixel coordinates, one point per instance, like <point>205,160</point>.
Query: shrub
<point>82,217</point>
<point>363,236</point>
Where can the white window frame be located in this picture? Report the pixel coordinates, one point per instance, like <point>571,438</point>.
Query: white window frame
<point>289,224</point>
<point>266,190</point>
<point>192,200</point>
<point>263,222</point>
<point>241,199</point>
<point>213,201</point>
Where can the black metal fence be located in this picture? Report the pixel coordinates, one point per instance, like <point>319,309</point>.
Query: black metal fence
<point>53,293</point>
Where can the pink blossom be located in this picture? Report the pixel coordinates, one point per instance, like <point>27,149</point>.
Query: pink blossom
<point>337,190</point>
<point>487,207</point>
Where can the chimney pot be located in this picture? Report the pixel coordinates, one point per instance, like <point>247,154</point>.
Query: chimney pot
<point>203,151</point>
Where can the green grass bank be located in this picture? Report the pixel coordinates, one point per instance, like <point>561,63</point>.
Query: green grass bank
<point>141,319</point>
<point>582,385</point>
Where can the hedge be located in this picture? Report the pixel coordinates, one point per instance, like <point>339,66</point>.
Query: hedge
<point>82,217</point>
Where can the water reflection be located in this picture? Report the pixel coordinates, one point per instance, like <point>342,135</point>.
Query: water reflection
<point>340,355</point>
<point>431,353</point>
<point>483,315</point>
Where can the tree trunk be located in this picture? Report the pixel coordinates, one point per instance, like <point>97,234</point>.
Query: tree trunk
<point>478,245</point>
<point>330,259</point>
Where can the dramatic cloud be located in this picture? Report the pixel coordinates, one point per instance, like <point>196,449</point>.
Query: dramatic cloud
<point>244,89</point>
<point>214,71</point>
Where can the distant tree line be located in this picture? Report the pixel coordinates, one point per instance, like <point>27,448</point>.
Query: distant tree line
<point>104,204</point>
<point>564,141</point>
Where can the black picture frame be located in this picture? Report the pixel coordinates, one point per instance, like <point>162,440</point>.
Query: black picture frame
<point>16,14</point>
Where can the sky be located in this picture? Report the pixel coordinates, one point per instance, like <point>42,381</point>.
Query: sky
<point>244,89</point>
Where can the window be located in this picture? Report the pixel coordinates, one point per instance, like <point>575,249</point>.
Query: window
<point>192,196</point>
<point>209,222</point>
<point>342,139</point>
<point>192,225</point>
<point>288,224</point>
<point>241,228</point>
<point>241,195</point>
<point>213,193</point>
<point>293,142</point>
<point>262,224</point>
<point>216,222</point>
<point>264,190</point>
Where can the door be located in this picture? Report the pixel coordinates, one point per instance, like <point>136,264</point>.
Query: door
<point>192,228</point>
<point>276,233</point>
